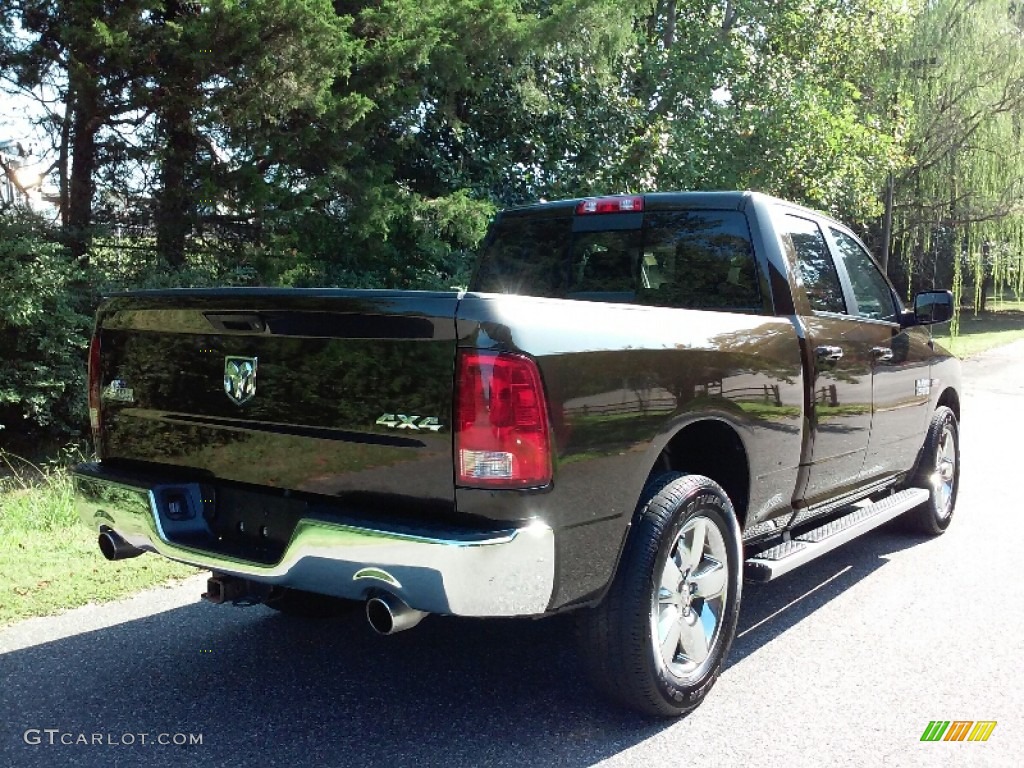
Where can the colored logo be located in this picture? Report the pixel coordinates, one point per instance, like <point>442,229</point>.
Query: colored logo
<point>958,730</point>
<point>240,378</point>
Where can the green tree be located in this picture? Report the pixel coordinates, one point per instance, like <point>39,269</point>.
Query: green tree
<point>194,92</point>
<point>957,201</point>
<point>51,50</point>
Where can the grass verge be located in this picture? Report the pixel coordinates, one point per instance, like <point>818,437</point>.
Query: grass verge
<point>979,333</point>
<point>49,560</point>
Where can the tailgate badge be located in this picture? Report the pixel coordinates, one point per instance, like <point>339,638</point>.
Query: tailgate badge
<point>240,378</point>
<point>415,423</point>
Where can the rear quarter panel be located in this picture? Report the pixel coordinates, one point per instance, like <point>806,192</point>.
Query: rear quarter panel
<point>621,381</point>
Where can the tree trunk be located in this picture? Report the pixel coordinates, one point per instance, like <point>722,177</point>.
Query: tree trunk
<point>988,282</point>
<point>887,223</point>
<point>174,209</point>
<point>62,163</point>
<point>669,38</point>
<point>84,101</point>
<point>175,205</point>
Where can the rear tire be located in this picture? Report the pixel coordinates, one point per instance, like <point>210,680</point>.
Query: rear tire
<point>308,605</point>
<point>938,471</point>
<point>659,639</point>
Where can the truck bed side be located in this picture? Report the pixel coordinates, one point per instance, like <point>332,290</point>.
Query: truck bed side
<point>622,382</point>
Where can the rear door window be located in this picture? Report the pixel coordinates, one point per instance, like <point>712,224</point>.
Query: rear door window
<point>806,245</point>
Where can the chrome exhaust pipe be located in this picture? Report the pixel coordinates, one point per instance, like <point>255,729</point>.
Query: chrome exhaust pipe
<point>388,614</point>
<point>114,547</point>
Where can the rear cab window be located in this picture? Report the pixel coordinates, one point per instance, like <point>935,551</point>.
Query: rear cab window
<point>689,259</point>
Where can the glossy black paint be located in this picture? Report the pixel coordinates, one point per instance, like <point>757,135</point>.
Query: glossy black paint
<point>848,448</point>
<point>624,380</point>
<point>330,363</point>
<point>630,388</point>
<point>811,445</point>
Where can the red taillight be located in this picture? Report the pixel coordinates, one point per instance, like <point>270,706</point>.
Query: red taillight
<point>630,204</point>
<point>501,429</point>
<point>94,386</point>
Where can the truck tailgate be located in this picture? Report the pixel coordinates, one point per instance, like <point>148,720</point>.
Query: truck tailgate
<point>334,392</point>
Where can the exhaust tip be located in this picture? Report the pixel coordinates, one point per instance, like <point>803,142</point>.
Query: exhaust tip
<point>388,614</point>
<point>113,547</point>
<point>379,616</point>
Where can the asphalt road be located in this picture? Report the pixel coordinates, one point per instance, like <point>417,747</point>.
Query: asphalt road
<point>841,663</point>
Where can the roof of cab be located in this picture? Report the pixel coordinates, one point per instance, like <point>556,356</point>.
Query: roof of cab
<point>654,201</point>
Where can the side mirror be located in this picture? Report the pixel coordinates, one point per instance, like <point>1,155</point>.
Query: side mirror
<point>931,307</point>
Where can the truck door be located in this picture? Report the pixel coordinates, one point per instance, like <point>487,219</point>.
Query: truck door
<point>841,358</point>
<point>900,358</point>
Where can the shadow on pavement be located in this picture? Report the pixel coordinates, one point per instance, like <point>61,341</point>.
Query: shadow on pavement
<point>267,690</point>
<point>770,609</point>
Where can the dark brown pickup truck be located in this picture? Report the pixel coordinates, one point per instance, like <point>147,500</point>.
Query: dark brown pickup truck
<point>639,402</point>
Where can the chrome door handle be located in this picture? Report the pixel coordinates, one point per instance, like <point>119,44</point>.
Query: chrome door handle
<point>829,354</point>
<point>882,354</point>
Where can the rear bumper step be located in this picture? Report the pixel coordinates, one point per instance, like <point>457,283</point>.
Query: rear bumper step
<point>784,557</point>
<point>508,572</point>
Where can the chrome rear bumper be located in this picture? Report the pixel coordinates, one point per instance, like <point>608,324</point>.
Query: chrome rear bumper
<point>507,572</point>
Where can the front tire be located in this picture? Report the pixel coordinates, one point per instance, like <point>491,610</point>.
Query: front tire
<point>659,639</point>
<point>938,471</point>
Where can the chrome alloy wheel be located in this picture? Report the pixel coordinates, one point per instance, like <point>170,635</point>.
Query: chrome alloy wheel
<point>944,478</point>
<point>690,598</point>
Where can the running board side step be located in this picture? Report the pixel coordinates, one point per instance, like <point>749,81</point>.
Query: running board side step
<point>784,557</point>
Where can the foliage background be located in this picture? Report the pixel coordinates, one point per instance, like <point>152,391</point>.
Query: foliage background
<point>366,143</point>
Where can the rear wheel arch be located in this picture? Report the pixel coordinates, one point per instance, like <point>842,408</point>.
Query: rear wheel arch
<point>712,448</point>
<point>709,447</point>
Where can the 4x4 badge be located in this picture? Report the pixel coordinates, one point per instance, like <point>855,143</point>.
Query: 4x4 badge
<point>415,423</point>
<point>240,378</point>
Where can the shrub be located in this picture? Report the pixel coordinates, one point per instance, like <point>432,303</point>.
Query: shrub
<point>43,333</point>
